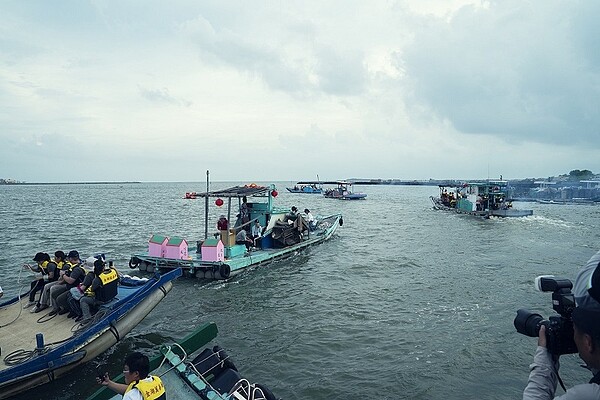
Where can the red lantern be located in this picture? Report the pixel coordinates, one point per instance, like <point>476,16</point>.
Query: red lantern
<point>219,202</point>
<point>274,193</point>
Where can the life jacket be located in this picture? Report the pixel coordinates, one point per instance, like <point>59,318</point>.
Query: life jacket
<point>45,268</point>
<point>154,390</point>
<point>70,267</point>
<point>110,282</point>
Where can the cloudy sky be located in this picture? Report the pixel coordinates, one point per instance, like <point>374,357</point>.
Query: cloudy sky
<point>284,90</point>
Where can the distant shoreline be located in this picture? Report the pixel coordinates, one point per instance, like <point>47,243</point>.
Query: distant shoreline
<point>63,183</point>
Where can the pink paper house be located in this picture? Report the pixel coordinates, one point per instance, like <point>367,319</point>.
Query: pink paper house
<point>176,248</point>
<point>157,245</point>
<point>213,250</point>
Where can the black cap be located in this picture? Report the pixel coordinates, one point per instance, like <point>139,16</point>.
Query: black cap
<point>73,254</point>
<point>587,320</point>
<point>39,257</point>
<point>99,264</point>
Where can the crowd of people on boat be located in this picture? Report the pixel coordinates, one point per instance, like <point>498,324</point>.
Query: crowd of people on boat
<point>483,202</point>
<point>66,285</point>
<point>250,232</point>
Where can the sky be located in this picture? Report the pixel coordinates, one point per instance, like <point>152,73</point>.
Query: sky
<point>154,90</point>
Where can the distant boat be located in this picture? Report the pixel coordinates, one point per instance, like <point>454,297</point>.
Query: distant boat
<point>190,374</point>
<point>37,348</point>
<point>220,257</point>
<point>309,188</point>
<point>484,199</point>
<point>343,191</point>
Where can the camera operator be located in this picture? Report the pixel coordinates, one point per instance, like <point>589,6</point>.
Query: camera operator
<point>543,377</point>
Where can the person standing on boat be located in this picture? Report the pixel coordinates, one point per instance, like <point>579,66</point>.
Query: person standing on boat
<point>543,377</point>
<point>245,212</point>
<point>139,385</point>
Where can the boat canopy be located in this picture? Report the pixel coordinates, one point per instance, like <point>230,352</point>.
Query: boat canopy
<point>237,191</point>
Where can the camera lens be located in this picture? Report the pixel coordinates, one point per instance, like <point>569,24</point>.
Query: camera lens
<point>528,323</point>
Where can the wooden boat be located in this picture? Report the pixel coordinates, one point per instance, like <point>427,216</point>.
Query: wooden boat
<point>282,236</point>
<point>37,348</point>
<point>190,374</point>
<point>483,199</point>
<point>343,191</point>
<point>308,188</point>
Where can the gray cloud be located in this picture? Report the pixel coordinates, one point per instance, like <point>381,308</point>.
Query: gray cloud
<point>163,96</point>
<point>511,70</point>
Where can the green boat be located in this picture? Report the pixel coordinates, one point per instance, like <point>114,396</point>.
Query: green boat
<point>190,374</point>
<point>218,256</point>
<point>482,199</point>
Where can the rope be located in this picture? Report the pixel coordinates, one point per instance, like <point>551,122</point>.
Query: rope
<point>20,356</point>
<point>19,301</point>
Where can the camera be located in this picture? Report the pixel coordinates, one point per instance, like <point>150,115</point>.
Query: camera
<point>559,328</point>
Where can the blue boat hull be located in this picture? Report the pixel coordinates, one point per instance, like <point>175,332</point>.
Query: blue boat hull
<point>59,357</point>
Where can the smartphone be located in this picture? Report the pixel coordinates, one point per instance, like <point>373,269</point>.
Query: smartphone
<point>101,371</point>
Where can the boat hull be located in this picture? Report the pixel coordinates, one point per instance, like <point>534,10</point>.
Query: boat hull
<point>506,213</point>
<point>84,347</point>
<point>196,267</point>
<point>308,191</point>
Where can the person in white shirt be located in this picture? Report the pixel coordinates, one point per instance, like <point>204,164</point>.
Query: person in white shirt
<point>256,233</point>
<point>312,223</point>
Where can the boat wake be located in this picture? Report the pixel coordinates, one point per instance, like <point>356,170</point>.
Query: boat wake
<point>541,220</point>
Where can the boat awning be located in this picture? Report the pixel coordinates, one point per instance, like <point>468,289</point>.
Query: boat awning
<point>236,191</point>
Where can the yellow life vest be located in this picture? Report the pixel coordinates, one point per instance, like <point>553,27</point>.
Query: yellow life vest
<point>108,290</point>
<point>43,267</point>
<point>154,390</point>
<point>59,264</point>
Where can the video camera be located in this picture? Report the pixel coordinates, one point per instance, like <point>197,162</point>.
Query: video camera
<point>559,328</point>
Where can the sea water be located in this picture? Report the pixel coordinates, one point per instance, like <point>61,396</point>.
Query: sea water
<point>404,302</point>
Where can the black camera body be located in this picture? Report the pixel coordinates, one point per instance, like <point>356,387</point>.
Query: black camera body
<point>559,328</point>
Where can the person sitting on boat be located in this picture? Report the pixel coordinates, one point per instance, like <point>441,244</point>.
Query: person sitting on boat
<point>44,270</point>
<point>139,385</point>
<point>75,294</point>
<point>312,223</point>
<point>292,215</point>
<point>72,276</point>
<point>242,238</point>
<point>222,223</point>
<point>103,289</point>
<point>44,300</point>
<point>256,234</point>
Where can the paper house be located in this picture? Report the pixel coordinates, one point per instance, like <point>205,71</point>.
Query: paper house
<point>176,248</point>
<point>213,250</point>
<point>157,245</point>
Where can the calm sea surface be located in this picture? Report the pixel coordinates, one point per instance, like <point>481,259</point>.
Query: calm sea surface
<point>404,302</point>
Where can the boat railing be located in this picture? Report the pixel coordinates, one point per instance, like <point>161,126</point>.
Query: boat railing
<point>174,359</point>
